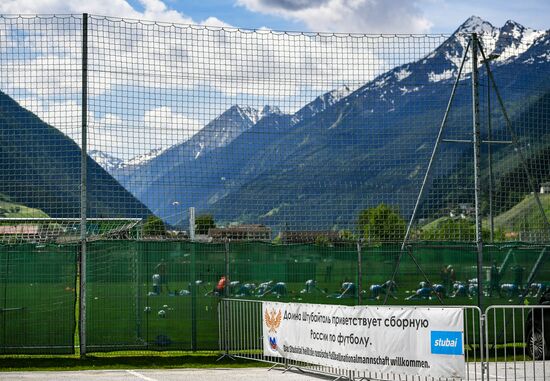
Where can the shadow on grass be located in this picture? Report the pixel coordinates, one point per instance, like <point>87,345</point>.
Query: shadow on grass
<point>120,362</point>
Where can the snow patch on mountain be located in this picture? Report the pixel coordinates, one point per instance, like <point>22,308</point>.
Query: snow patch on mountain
<point>112,163</point>
<point>143,158</point>
<point>407,90</point>
<point>381,82</point>
<point>402,74</point>
<point>248,112</point>
<point>253,115</point>
<point>337,94</point>
<point>105,160</point>
<point>475,24</point>
<point>321,103</point>
<point>269,110</point>
<point>515,39</point>
<point>501,44</point>
<point>436,77</point>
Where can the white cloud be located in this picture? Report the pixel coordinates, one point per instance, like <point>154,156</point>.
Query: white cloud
<point>161,127</point>
<point>167,122</point>
<point>353,16</point>
<point>153,9</point>
<point>163,57</point>
<point>151,82</point>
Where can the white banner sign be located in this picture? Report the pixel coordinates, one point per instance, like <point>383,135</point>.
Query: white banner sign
<point>413,341</point>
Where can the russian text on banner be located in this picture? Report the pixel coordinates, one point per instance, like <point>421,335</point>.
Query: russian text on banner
<point>415,341</point>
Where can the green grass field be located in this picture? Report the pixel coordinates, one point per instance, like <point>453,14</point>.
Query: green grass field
<point>9,209</point>
<point>122,360</point>
<point>525,212</point>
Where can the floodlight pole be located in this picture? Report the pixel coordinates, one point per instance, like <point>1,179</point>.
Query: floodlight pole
<point>83,188</point>
<point>477,166</point>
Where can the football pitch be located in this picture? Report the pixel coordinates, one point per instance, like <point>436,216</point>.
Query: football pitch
<point>124,316</point>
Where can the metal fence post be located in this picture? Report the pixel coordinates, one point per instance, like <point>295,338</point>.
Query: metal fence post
<point>225,308</point>
<point>359,273</point>
<point>192,224</point>
<point>484,338</point>
<point>194,287</point>
<point>515,142</point>
<point>477,189</point>
<point>83,189</point>
<point>477,167</point>
<point>193,276</point>
<point>226,270</point>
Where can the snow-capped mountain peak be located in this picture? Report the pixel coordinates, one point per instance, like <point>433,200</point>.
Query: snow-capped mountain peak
<point>270,110</point>
<point>254,115</point>
<point>513,27</point>
<point>143,158</point>
<point>321,103</point>
<point>514,39</point>
<point>112,163</point>
<point>339,93</point>
<point>105,160</point>
<point>505,43</point>
<point>248,112</point>
<point>475,24</point>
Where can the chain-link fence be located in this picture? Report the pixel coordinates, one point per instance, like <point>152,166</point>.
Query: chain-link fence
<point>176,164</point>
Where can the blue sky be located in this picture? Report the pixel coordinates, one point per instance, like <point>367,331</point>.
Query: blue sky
<point>442,16</point>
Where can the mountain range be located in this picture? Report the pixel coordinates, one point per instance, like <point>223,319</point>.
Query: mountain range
<point>345,151</point>
<point>348,150</point>
<point>205,164</point>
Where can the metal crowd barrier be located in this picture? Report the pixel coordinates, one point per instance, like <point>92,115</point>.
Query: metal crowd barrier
<point>517,342</point>
<point>240,336</point>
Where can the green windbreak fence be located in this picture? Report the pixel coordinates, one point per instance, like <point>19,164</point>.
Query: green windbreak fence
<point>37,298</point>
<point>151,295</point>
<point>127,308</point>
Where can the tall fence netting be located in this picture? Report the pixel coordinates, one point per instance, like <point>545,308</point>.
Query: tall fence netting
<point>303,156</point>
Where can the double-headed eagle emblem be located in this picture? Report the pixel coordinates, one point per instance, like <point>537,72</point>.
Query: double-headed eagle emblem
<point>273,320</point>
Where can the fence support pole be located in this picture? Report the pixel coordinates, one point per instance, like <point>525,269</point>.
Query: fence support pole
<point>194,288</point>
<point>192,223</point>
<point>490,158</point>
<point>477,167</point>
<point>83,183</point>
<point>359,273</point>
<point>427,175</point>
<point>226,270</point>
<point>225,306</point>
<point>477,188</point>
